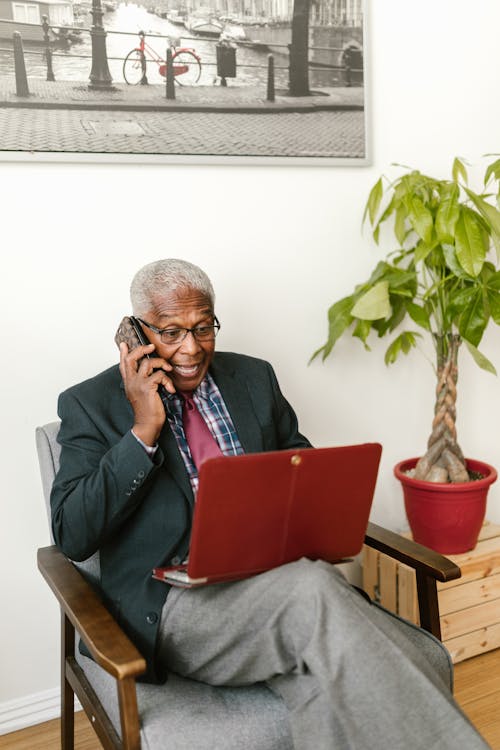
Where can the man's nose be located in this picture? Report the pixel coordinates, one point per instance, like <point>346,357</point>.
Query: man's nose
<point>190,344</point>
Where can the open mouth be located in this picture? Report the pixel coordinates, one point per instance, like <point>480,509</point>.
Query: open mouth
<point>187,371</point>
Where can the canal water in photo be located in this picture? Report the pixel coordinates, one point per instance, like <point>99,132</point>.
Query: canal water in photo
<point>122,26</point>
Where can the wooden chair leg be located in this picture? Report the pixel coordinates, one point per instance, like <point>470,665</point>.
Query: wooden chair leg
<point>67,694</point>
<point>129,715</point>
<point>428,604</point>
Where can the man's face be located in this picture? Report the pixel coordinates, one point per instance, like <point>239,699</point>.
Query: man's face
<point>183,308</point>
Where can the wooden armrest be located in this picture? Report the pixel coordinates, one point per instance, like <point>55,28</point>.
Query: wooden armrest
<point>422,559</point>
<point>429,567</point>
<point>100,632</point>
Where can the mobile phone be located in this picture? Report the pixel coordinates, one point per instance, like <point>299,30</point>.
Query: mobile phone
<point>130,331</point>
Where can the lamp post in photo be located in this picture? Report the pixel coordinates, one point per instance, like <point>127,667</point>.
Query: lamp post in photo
<point>100,77</point>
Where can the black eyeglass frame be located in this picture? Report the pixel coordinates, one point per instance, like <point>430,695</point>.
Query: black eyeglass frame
<point>192,331</point>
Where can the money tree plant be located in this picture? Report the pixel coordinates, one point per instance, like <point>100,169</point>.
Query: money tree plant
<point>440,281</point>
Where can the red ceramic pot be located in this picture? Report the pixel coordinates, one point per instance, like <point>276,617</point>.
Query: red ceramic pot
<point>443,516</point>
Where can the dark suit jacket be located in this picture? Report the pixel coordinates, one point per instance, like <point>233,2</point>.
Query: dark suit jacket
<point>110,496</point>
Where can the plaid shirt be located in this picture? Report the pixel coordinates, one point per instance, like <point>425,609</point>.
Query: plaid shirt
<point>211,406</point>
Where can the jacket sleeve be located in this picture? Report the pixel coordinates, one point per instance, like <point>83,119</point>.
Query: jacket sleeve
<point>285,419</point>
<point>100,483</point>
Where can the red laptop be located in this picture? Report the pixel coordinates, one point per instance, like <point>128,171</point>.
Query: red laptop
<point>259,510</point>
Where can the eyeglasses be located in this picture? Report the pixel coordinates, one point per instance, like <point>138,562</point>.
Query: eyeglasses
<point>177,335</point>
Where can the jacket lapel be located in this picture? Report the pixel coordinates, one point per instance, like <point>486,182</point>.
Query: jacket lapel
<point>235,392</point>
<point>174,463</point>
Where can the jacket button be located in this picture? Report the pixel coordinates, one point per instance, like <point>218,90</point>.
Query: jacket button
<point>176,560</point>
<point>151,618</point>
<point>140,473</point>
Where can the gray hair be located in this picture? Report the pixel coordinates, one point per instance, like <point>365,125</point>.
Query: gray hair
<point>163,276</point>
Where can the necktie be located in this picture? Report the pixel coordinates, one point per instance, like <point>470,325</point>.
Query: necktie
<point>202,443</point>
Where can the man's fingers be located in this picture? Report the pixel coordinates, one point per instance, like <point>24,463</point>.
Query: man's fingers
<point>152,369</point>
<point>138,352</point>
<point>160,378</point>
<point>151,364</point>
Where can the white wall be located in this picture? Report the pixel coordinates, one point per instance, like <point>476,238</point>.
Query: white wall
<point>280,243</point>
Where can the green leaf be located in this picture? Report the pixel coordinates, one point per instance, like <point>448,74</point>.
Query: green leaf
<point>491,215</point>
<point>420,218</point>
<point>403,343</point>
<point>469,243</point>
<point>472,322</point>
<point>400,224</point>
<point>373,202</point>
<point>388,211</point>
<point>419,315</point>
<point>398,313</point>
<point>483,362</point>
<point>362,330</point>
<point>493,296</point>
<point>374,304</point>
<point>392,352</point>
<point>422,251</point>
<point>493,170</point>
<point>451,261</point>
<point>378,273</point>
<point>459,170</point>
<point>448,212</point>
<point>339,319</point>
<point>401,281</point>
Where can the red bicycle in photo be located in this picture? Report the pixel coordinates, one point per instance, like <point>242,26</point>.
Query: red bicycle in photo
<point>185,62</point>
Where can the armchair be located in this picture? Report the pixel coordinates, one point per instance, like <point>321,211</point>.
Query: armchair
<point>183,714</point>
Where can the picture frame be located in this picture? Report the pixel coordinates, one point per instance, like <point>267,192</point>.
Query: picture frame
<point>287,89</point>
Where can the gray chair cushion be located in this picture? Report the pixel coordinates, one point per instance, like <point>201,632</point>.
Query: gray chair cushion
<point>184,714</point>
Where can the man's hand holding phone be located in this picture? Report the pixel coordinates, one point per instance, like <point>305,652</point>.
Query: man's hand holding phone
<point>143,374</point>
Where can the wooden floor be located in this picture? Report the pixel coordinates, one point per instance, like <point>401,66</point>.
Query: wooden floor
<point>477,689</point>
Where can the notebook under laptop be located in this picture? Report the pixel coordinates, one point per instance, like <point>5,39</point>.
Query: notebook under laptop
<point>259,510</point>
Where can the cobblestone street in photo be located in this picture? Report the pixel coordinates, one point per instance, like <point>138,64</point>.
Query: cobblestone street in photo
<point>202,121</point>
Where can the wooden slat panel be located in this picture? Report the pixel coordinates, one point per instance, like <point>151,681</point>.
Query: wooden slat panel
<point>407,594</point>
<point>388,589</point>
<point>472,644</point>
<point>467,620</point>
<point>475,592</point>
<point>370,571</point>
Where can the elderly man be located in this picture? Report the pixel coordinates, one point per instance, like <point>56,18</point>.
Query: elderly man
<point>127,486</point>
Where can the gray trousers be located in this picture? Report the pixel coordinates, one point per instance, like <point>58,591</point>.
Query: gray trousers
<point>349,677</point>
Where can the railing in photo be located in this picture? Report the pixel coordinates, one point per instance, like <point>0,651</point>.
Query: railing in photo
<point>58,43</point>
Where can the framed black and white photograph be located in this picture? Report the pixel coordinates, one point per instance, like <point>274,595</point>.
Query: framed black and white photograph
<point>257,81</point>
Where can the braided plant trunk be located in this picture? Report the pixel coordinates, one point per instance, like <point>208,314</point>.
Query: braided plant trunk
<point>444,460</point>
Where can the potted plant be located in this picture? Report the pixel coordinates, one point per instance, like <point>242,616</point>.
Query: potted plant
<point>440,281</point>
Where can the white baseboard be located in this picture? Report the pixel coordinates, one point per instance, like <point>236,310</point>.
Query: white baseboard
<point>31,709</point>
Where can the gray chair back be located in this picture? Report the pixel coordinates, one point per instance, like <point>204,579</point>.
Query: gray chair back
<point>49,452</point>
